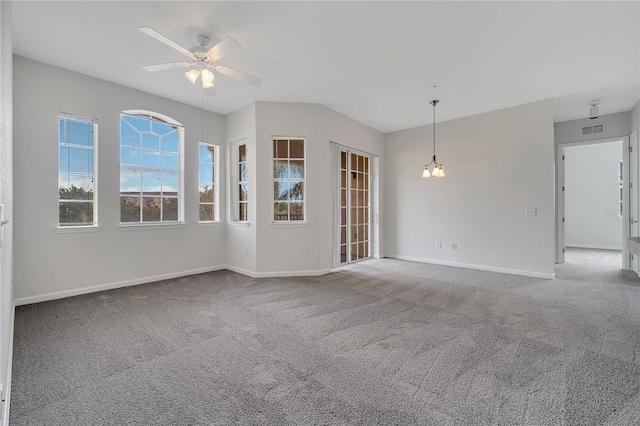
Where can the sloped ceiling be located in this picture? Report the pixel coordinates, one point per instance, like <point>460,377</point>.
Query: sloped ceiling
<point>377,62</point>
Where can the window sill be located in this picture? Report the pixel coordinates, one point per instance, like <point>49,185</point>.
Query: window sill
<point>77,229</point>
<point>149,226</point>
<point>289,224</point>
<point>209,224</point>
<point>239,224</point>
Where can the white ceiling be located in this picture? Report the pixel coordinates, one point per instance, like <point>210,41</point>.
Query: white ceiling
<point>376,62</point>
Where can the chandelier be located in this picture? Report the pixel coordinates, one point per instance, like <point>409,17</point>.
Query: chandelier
<point>437,170</point>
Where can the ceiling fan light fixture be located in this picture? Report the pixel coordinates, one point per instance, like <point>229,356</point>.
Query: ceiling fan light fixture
<point>207,78</point>
<point>192,75</point>
<point>426,173</point>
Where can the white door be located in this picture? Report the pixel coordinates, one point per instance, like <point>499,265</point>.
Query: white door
<point>633,195</point>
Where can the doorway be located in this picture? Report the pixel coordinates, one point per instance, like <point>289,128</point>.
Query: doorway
<point>594,181</point>
<point>354,243</point>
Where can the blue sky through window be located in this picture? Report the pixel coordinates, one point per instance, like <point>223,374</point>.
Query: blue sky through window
<point>149,169</point>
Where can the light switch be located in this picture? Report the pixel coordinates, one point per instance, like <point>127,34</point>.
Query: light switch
<point>531,211</point>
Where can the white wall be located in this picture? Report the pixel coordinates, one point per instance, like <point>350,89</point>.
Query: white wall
<point>592,196</point>
<point>240,245</point>
<point>50,264</point>
<point>280,247</point>
<point>635,117</point>
<point>497,164</point>
<point>6,198</point>
<point>615,125</point>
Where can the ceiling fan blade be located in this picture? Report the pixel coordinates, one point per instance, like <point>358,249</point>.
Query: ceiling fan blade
<point>211,91</point>
<point>226,46</point>
<point>150,32</point>
<point>162,67</point>
<point>254,81</point>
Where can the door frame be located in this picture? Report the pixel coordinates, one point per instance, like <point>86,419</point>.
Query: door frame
<point>374,190</point>
<point>560,199</point>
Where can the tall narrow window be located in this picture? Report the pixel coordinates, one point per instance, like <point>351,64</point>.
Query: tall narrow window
<point>238,182</point>
<point>621,191</point>
<point>243,193</point>
<point>288,180</point>
<point>77,198</point>
<point>150,169</point>
<point>208,158</point>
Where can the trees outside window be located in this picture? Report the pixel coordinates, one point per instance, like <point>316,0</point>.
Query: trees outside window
<point>77,177</point>
<point>207,178</point>
<point>288,180</point>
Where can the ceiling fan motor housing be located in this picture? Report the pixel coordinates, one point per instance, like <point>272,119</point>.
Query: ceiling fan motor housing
<point>198,54</point>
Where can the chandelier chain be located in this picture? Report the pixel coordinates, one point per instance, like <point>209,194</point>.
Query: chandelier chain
<point>434,128</point>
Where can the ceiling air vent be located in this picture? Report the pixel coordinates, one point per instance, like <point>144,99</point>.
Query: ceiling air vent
<point>592,130</point>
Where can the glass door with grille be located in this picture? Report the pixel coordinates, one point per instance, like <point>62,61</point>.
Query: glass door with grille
<point>355,211</point>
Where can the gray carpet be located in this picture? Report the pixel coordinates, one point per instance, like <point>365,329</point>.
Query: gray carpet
<point>381,342</point>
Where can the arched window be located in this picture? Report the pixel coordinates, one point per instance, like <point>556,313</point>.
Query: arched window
<point>151,168</point>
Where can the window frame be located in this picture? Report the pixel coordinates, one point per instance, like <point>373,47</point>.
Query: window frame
<point>621,189</point>
<point>215,182</point>
<point>164,119</point>
<point>303,180</point>
<point>235,180</point>
<point>94,174</point>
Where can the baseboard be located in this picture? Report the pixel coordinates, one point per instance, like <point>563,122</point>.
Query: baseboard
<point>292,273</point>
<point>110,286</point>
<point>242,271</point>
<point>478,267</point>
<point>145,280</point>
<point>589,246</point>
<point>276,274</point>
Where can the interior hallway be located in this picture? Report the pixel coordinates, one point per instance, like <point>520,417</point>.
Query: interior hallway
<point>594,266</point>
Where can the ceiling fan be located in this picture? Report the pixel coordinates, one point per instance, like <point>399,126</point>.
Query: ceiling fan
<point>202,60</point>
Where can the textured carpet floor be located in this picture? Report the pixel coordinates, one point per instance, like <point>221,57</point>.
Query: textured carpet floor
<point>381,342</point>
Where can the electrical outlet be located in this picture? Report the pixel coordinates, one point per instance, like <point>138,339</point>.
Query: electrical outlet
<point>439,245</point>
<point>454,246</point>
<point>246,252</point>
<point>160,255</point>
<point>304,252</point>
<point>531,211</point>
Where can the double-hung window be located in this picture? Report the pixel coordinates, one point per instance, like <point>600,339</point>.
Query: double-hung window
<point>288,180</point>
<point>150,169</point>
<point>77,171</point>
<point>207,178</point>
<point>243,184</point>
<point>239,184</point>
